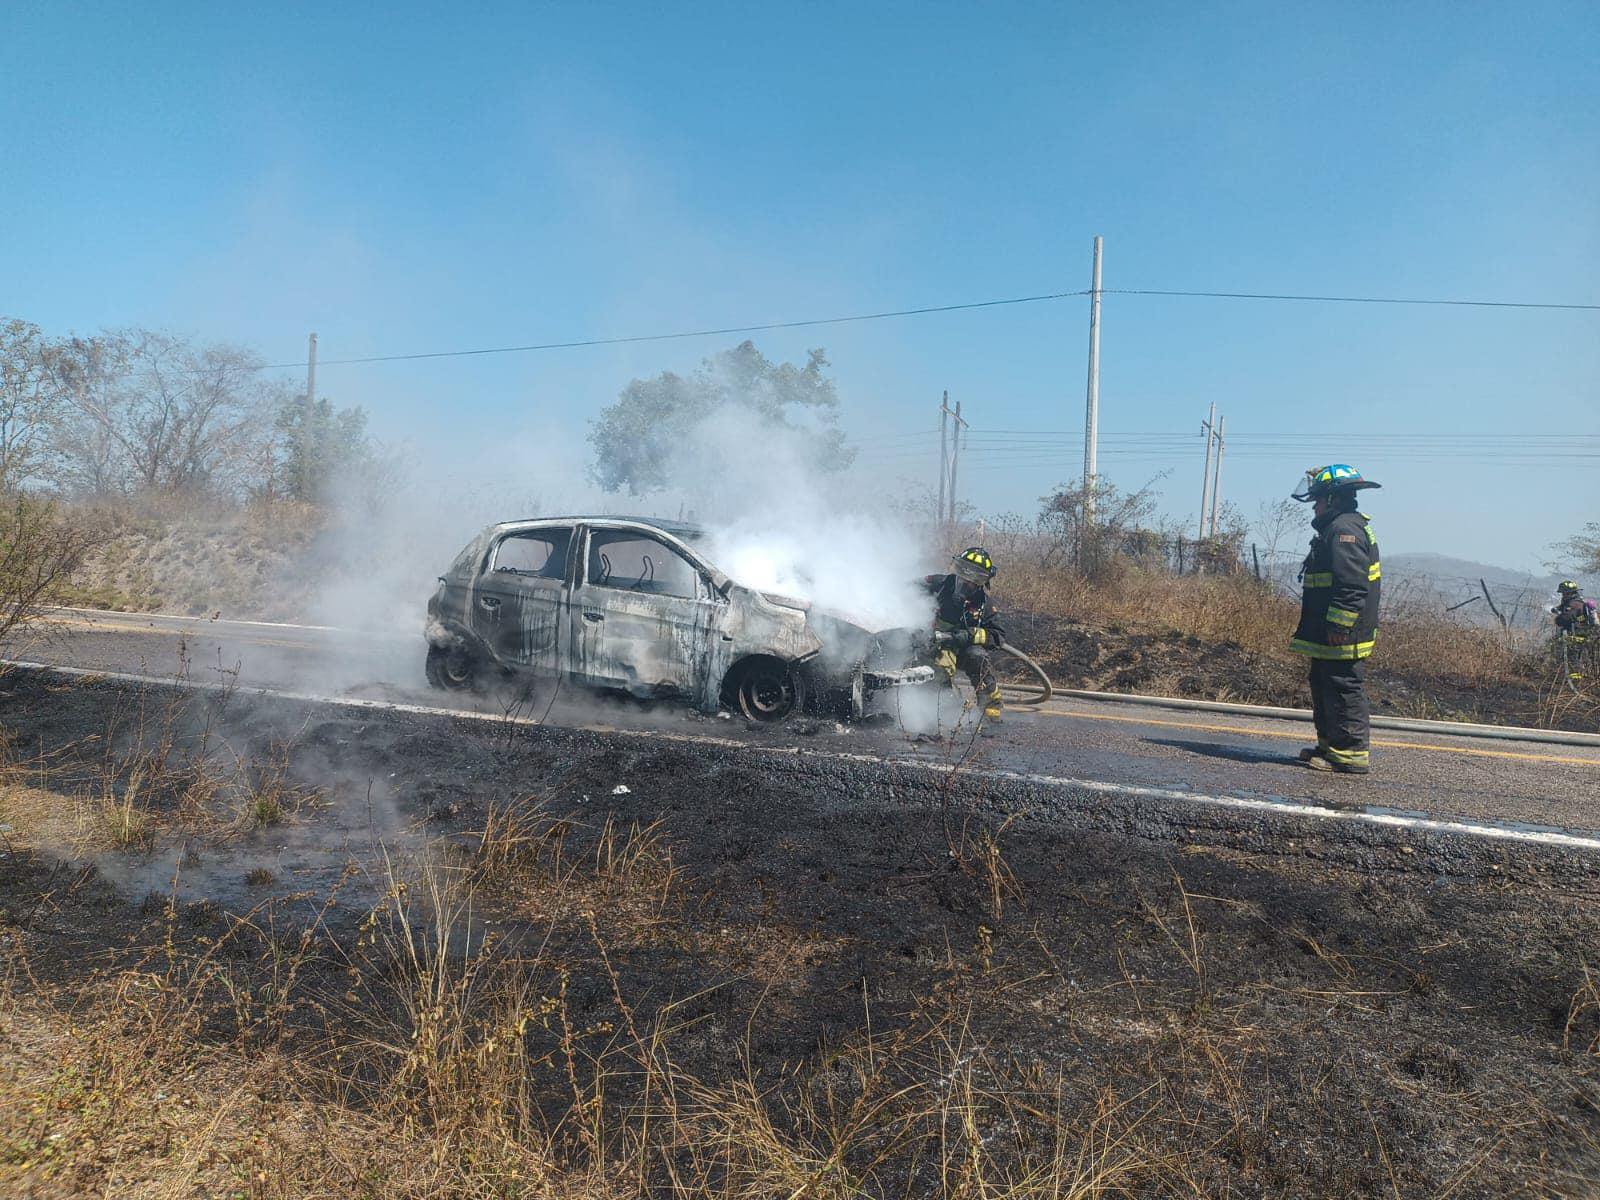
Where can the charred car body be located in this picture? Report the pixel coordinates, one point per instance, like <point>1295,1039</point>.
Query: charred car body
<point>631,604</point>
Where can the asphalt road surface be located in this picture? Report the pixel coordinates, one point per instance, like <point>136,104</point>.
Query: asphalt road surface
<point>1519,786</point>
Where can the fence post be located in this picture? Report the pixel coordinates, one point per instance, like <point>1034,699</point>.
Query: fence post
<point>1256,559</point>
<point>1492,607</point>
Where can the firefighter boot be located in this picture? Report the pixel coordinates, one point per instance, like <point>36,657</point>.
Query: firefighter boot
<point>1320,750</point>
<point>1341,762</point>
<point>992,707</point>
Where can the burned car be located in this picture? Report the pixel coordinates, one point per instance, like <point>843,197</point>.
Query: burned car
<point>632,604</point>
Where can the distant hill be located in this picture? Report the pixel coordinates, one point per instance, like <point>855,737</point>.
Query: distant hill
<point>1521,595</point>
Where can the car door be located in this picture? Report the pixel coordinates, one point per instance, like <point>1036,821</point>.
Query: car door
<point>519,602</point>
<point>644,615</point>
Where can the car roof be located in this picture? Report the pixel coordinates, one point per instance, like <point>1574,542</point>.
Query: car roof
<point>682,530</point>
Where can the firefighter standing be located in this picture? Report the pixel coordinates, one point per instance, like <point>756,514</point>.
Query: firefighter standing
<point>1574,615</point>
<point>1338,617</point>
<point>967,622</point>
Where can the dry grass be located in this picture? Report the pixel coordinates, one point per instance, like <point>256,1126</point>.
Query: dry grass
<point>1438,665</point>
<point>171,554</point>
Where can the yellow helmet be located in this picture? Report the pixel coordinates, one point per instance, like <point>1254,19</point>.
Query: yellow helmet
<point>975,566</point>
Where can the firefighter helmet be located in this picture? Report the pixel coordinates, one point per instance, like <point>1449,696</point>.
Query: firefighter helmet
<point>1322,481</point>
<point>1568,588</point>
<point>975,566</point>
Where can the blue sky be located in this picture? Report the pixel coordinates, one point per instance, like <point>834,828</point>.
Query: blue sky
<point>415,178</point>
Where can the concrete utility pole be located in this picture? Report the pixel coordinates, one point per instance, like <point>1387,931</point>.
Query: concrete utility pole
<point>1091,418</point>
<point>955,458</point>
<point>944,450</point>
<point>307,436</point>
<point>1216,481</point>
<point>1209,428</point>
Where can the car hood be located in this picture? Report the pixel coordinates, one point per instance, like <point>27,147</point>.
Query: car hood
<point>849,638</point>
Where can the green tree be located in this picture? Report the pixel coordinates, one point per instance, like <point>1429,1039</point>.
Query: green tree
<point>311,452</point>
<point>637,439</point>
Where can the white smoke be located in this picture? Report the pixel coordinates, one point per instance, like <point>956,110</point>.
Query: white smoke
<point>778,523</point>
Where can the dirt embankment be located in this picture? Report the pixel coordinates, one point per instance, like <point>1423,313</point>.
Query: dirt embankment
<point>688,969</point>
<point>253,564</point>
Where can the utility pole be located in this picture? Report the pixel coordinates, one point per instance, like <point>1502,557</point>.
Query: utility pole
<point>307,437</point>
<point>955,457</point>
<point>1209,428</point>
<point>1091,417</point>
<point>1216,481</point>
<point>944,452</point>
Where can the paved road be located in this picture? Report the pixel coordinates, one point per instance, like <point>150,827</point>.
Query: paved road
<point>1217,755</point>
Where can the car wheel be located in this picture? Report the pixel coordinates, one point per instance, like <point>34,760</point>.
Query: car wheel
<point>452,668</point>
<point>768,690</point>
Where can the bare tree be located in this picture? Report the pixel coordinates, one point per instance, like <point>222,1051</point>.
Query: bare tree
<point>1275,523</point>
<point>29,395</point>
<point>149,412</point>
<point>87,455</point>
<point>1582,549</point>
<point>1120,519</point>
<point>39,550</point>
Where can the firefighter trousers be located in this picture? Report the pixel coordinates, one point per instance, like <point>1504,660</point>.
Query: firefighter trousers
<point>974,661</point>
<point>1340,710</point>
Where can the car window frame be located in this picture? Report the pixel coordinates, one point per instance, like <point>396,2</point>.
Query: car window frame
<point>491,566</point>
<point>706,589</point>
<point>487,573</point>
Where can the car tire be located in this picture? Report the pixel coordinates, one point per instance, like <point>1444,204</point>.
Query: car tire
<point>453,668</point>
<point>768,690</point>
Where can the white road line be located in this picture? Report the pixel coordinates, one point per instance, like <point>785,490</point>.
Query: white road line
<point>1502,833</point>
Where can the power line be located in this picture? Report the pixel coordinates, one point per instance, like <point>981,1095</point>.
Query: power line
<point>1354,299</point>
<point>924,311</point>
<point>690,333</point>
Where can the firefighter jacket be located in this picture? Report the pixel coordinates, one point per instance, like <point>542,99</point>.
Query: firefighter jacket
<point>957,612</point>
<point>1339,600</point>
<point>1575,615</point>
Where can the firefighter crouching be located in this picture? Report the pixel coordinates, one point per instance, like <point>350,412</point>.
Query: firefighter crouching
<point>967,622</point>
<point>1338,617</point>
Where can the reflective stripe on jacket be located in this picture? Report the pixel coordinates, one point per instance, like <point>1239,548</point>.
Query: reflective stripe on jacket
<point>1340,581</point>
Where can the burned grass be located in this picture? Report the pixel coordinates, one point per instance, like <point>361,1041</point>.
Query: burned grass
<point>744,983</point>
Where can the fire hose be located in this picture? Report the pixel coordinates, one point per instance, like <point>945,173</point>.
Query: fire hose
<point>1040,679</point>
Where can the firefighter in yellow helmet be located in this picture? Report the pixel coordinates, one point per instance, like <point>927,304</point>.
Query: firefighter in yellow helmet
<point>967,624</point>
<point>1338,617</point>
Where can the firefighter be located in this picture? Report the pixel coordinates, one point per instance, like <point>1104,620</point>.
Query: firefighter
<point>1574,615</point>
<point>1338,617</point>
<point>966,626</point>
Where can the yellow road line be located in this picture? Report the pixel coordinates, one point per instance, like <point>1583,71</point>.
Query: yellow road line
<point>1300,737</point>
